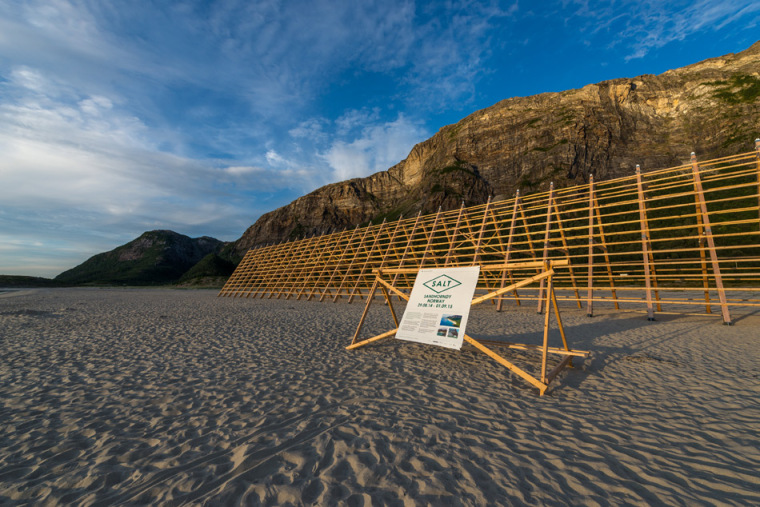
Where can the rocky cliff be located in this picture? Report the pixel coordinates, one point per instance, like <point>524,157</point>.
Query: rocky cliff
<point>711,108</point>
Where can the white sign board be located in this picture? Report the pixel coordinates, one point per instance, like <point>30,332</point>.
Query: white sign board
<point>439,306</point>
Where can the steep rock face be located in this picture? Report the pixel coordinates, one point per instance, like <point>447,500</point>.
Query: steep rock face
<point>711,108</point>
<point>155,257</point>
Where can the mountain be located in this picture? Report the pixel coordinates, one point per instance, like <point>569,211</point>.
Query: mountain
<point>711,108</point>
<point>156,257</point>
<point>212,270</point>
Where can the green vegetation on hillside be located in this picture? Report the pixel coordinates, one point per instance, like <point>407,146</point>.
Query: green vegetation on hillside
<point>155,258</point>
<point>740,88</point>
<point>211,266</point>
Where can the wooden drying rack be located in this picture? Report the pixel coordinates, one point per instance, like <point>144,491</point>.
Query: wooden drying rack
<point>545,275</point>
<point>686,236</point>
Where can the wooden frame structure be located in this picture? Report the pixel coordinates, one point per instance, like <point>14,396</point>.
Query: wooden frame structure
<point>545,275</point>
<point>671,239</point>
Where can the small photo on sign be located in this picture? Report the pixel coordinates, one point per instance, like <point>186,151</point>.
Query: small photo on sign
<point>451,320</point>
<point>442,331</point>
<point>453,333</point>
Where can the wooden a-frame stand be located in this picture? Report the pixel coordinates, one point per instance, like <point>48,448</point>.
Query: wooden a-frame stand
<point>546,275</point>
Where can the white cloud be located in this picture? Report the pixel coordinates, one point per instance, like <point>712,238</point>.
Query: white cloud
<point>378,148</point>
<point>275,158</point>
<point>243,170</point>
<point>355,119</point>
<point>312,129</point>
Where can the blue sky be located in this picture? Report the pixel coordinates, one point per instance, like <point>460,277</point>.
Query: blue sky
<point>199,116</point>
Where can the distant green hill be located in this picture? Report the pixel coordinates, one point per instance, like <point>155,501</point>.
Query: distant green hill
<point>155,258</point>
<point>14,281</point>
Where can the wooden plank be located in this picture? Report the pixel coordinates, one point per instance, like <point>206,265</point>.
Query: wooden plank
<point>702,255</point>
<point>372,340</point>
<point>545,256</point>
<point>364,313</point>
<point>555,371</point>
<point>487,267</point>
<point>430,237</point>
<point>522,283</point>
<point>600,225</point>
<point>547,314</point>
<point>530,347</point>
<point>410,238</point>
<point>393,289</point>
<point>390,305</point>
<point>645,244</point>
<point>512,224</point>
<point>566,247</point>
<point>590,277</point>
<point>510,366</point>
<point>710,241</point>
<point>757,151</point>
<point>453,237</point>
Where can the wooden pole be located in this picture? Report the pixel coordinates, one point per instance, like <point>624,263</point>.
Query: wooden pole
<point>479,244</point>
<point>430,238</point>
<point>391,244</point>
<point>566,248</point>
<point>509,250</point>
<point>366,309</point>
<point>757,150</point>
<point>545,352</point>
<point>710,241</point>
<point>590,282</point>
<point>410,238</point>
<point>644,243</point>
<point>476,256</point>
<point>546,244</point>
<point>453,239</point>
<point>600,225</point>
<point>702,255</point>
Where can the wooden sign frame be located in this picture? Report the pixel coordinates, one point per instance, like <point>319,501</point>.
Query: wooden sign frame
<point>546,275</point>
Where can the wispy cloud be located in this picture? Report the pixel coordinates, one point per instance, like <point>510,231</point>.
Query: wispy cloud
<point>646,25</point>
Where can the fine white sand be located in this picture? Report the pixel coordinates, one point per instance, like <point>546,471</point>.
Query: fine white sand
<point>132,396</point>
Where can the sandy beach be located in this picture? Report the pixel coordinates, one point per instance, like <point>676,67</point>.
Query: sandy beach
<point>172,397</point>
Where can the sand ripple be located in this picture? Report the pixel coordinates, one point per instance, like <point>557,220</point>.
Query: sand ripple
<point>112,397</point>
